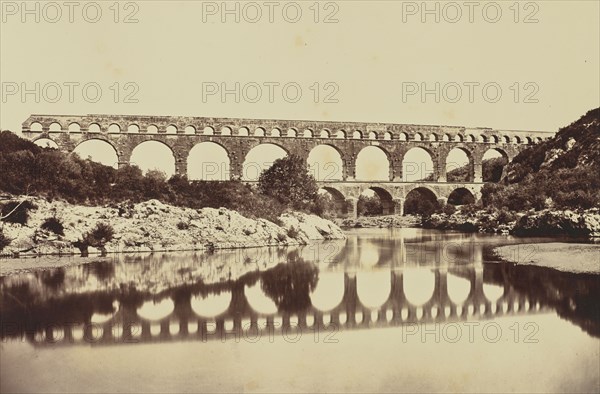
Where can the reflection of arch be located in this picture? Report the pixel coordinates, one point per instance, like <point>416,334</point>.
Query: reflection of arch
<point>99,151</point>
<point>461,196</point>
<point>208,161</point>
<point>258,300</point>
<point>156,311</point>
<point>458,288</point>
<point>419,285</point>
<point>373,287</point>
<point>329,291</point>
<point>493,292</point>
<point>211,305</point>
<point>373,163</point>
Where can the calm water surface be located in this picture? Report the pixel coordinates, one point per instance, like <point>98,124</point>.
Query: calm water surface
<point>395,310</point>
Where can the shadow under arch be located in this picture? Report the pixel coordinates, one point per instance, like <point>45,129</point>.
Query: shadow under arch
<point>333,201</point>
<point>461,196</point>
<point>493,164</point>
<point>420,200</point>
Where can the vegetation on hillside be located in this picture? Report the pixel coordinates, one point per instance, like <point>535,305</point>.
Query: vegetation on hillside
<point>28,169</point>
<point>563,172</point>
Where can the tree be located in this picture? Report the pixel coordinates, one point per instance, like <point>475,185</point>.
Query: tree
<point>288,181</point>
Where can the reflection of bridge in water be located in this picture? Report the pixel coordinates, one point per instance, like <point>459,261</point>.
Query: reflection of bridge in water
<point>184,318</point>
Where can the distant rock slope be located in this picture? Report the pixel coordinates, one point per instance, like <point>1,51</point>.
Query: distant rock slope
<point>154,226</point>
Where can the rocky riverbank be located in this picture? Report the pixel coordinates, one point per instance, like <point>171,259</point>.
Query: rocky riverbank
<point>584,223</point>
<point>380,221</point>
<point>154,226</point>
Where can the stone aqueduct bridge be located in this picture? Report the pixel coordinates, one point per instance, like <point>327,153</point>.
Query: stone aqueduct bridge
<point>239,136</point>
<point>240,321</point>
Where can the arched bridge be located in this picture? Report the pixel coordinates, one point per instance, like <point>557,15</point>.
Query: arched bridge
<point>237,137</point>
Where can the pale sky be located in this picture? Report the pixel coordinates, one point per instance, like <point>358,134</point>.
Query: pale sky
<point>365,66</point>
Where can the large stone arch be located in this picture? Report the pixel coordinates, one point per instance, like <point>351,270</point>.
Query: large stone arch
<point>493,170</point>
<point>445,167</point>
<point>339,199</point>
<point>332,169</point>
<point>95,153</point>
<point>461,196</point>
<point>145,163</point>
<point>418,195</point>
<point>419,169</point>
<point>212,162</point>
<point>383,172</point>
<point>252,167</point>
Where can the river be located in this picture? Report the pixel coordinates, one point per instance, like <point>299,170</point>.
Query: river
<point>387,310</point>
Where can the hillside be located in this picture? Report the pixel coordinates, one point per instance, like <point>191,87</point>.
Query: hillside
<point>563,172</point>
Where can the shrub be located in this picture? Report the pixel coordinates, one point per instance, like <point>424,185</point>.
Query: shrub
<point>99,235</point>
<point>17,212</point>
<point>4,241</point>
<point>449,209</point>
<point>181,225</point>
<point>293,232</point>
<point>54,225</point>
